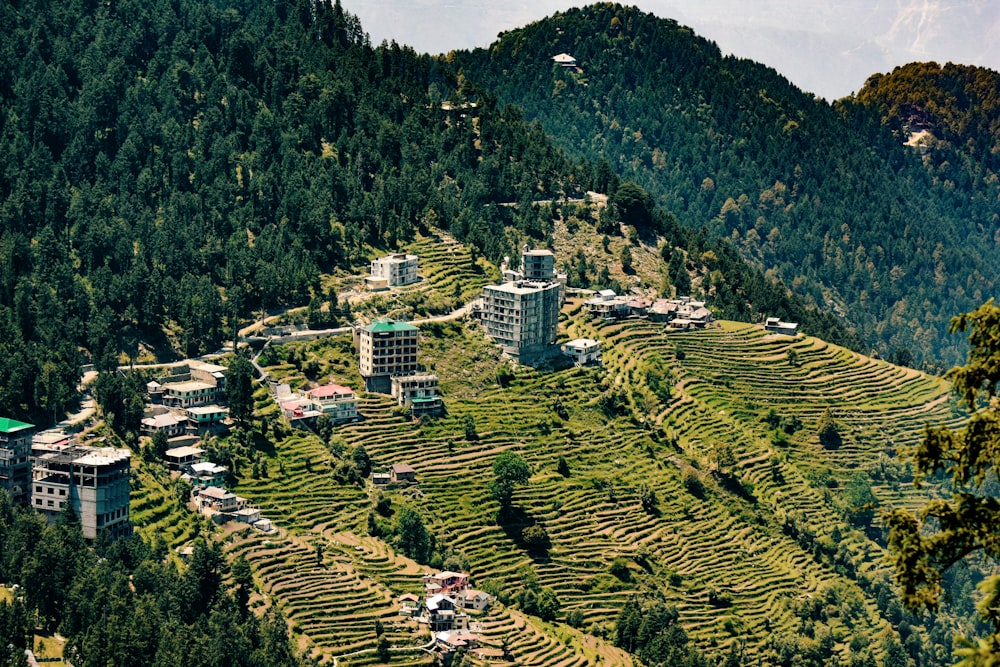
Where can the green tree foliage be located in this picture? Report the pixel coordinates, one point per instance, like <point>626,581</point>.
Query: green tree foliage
<point>239,388</point>
<point>172,166</point>
<point>124,603</point>
<point>509,472</point>
<point>652,630</point>
<point>861,500</point>
<point>548,604</point>
<point>121,399</point>
<point>412,538</point>
<point>826,429</point>
<point>945,531</point>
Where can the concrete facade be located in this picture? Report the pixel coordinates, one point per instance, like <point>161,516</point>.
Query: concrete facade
<point>15,458</point>
<point>522,317</point>
<point>335,401</point>
<point>94,479</point>
<point>583,351</point>
<point>419,391</point>
<point>386,348</point>
<point>396,269</point>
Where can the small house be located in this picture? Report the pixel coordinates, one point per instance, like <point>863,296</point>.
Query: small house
<point>400,472</point>
<point>785,328</point>
<point>564,60</point>
<point>446,582</point>
<point>216,499</point>
<point>470,598</point>
<point>178,457</point>
<point>335,401</point>
<point>583,351</point>
<point>205,473</point>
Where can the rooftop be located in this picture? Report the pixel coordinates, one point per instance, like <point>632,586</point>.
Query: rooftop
<point>523,286</point>
<point>85,456</point>
<point>12,425</point>
<point>184,451</point>
<point>582,343</point>
<point>206,409</point>
<point>188,385</point>
<point>327,390</point>
<point>380,326</point>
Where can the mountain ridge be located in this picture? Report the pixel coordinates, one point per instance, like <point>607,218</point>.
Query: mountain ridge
<point>824,196</point>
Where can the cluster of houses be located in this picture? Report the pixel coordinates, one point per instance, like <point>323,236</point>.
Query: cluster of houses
<point>187,402</point>
<point>682,313</point>
<point>444,609</point>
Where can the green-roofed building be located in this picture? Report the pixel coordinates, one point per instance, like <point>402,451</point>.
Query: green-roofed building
<point>15,458</point>
<point>386,348</point>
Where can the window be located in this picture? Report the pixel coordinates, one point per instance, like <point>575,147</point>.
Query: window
<point>50,503</point>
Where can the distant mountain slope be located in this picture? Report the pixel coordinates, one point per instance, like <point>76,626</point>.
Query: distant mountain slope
<point>958,106</point>
<point>823,196</point>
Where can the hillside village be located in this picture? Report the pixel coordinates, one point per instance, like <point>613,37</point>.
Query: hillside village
<point>186,407</point>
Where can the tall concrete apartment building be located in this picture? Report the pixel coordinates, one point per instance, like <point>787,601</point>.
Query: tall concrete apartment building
<point>386,348</point>
<point>94,479</point>
<point>15,458</point>
<point>538,264</point>
<point>522,315</point>
<point>396,269</point>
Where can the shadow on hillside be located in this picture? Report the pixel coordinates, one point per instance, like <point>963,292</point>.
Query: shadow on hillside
<point>520,528</point>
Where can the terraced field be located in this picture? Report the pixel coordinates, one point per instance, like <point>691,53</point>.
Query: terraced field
<point>766,531</point>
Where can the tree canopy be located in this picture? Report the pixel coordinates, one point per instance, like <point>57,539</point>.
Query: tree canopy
<point>509,472</point>
<point>945,531</point>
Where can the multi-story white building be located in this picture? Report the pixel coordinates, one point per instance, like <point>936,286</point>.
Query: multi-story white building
<point>335,401</point>
<point>15,461</point>
<point>396,269</point>
<point>386,348</point>
<point>583,351</point>
<point>95,480</point>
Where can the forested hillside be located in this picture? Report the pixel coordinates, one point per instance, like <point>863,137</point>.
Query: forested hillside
<point>952,112</point>
<point>825,196</point>
<point>170,167</point>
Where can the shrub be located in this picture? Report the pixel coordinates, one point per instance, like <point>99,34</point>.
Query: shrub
<point>693,483</point>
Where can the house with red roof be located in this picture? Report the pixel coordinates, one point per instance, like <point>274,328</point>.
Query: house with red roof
<point>337,402</point>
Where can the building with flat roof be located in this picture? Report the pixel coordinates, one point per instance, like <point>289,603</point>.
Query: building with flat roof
<point>785,328</point>
<point>15,458</point>
<point>522,317</point>
<point>386,348</point>
<point>419,391</point>
<point>396,269</point>
<point>95,480</point>
<point>178,457</point>
<point>538,264</point>
<point>583,351</point>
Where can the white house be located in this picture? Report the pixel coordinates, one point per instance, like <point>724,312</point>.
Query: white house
<point>583,351</point>
<point>785,328</point>
<point>396,269</point>
<point>564,60</point>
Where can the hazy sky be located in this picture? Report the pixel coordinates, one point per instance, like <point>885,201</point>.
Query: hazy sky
<point>828,48</point>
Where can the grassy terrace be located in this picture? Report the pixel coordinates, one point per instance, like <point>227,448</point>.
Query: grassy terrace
<point>726,557</point>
